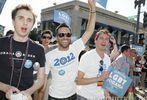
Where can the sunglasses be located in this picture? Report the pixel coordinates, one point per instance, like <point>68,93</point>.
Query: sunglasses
<point>46,37</point>
<point>101,65</point>
<point>104,32</point>
<point>64,34</point>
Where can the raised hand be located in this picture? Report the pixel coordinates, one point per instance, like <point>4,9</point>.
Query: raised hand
<point>92,5</point>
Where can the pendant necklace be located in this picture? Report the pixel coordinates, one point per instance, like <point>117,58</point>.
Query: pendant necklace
<point>12,61</point>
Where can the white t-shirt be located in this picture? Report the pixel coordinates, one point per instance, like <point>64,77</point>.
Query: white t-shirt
<point>89,64</point>
<point>64,67</point>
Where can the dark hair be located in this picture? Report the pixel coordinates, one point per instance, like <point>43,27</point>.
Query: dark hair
<point>109,28</point>
<point>62,25</point>
<point>124,48</point>
<point>20,7</point>
<point>9,32</point>
<point>81,53</point>
<point>46,32</point>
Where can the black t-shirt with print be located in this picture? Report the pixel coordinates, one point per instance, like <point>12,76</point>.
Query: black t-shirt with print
<point>35,54</point>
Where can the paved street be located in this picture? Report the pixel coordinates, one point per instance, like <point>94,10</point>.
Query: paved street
<point>139,94</point>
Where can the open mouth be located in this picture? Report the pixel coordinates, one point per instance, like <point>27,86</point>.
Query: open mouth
<point>23,29</point>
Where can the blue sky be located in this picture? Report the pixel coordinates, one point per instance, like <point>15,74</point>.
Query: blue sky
<point>124,7</point>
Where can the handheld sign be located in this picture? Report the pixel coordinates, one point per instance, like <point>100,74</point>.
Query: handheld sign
<point>102,2</point>
<point>117,83</point>
<point>62,17</point>
<point>2,3</point>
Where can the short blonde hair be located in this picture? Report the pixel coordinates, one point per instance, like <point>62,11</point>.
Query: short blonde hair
<point>103,31</point>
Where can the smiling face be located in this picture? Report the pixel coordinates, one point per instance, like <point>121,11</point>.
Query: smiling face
<point>63,38</point>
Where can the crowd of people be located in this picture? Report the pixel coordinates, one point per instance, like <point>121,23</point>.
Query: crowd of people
<point>66,70</point>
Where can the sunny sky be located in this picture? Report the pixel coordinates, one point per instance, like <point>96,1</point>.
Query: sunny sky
<point>124,7</point>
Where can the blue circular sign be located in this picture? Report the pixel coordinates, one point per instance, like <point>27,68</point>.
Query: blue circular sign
<point>28,64</point>
<point>61,72</point>
<point>63,60</point>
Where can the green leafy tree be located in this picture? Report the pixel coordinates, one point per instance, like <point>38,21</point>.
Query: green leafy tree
<point>1,35</point>
<point>33,34</point>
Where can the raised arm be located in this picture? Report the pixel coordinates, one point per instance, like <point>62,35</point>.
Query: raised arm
<point>91,21</point>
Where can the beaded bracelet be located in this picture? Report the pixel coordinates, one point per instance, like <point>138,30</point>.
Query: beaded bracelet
<point>92,11</point>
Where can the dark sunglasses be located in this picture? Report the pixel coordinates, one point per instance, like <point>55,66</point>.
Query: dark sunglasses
<point>104,32</point>
<point>46,37</point>
<point>64,34</point>
<point>101,66</point>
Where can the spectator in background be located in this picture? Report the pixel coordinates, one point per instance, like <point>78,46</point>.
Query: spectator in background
<point>114,52</point>
<point>132,59</point>
<point>144,71</point>
<point>19,55</point>
<point>45,40</point>
<point>133,56</point>
<point>91,74</point>
<point>63,61</point>
<point>122,62</point>
<point>137,71</point>
<point>9,33</point>
<point>46,37</point>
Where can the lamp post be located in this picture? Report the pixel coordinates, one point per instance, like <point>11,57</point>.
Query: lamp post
<point>138,3</point>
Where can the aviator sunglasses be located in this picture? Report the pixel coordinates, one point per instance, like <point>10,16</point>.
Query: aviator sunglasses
<point>64,34</point>
<point>101,65</point>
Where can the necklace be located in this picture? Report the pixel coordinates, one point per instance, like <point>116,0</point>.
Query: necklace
<point>12,61</point>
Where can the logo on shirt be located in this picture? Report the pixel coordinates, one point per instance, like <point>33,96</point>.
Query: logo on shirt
<point>18,54</point>
<point>36,66</point>
<point>61,72</point>
<point>28,64</point>
<point>58,62</point>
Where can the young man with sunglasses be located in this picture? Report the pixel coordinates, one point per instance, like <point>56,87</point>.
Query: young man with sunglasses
<point>91,74</point>
<point>63,61</point>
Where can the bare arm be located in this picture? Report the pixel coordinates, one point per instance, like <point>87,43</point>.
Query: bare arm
<point>39,82</point>
<point>85,81</point>
<point>115,52</point>
<point>3,87</point>
<point>41,91</point>
<point>91,21</point>
<point>8,89</point>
